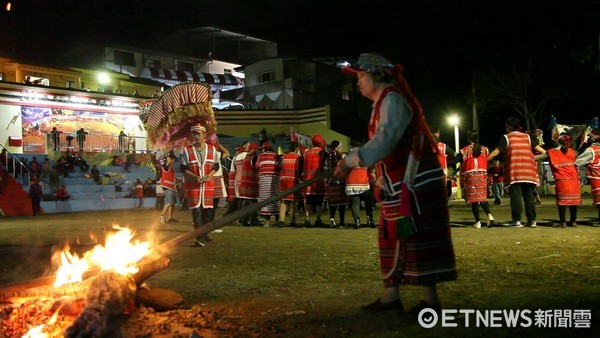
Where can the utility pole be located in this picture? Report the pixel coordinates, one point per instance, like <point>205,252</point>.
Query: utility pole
<point>474,98</point>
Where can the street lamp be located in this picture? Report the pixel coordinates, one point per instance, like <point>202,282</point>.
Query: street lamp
<point>454,120</point>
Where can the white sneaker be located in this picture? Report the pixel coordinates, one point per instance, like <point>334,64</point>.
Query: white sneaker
<point>217,231</point>
<point>490,222</point>
<point>477,225</point>
<point>532,224</point>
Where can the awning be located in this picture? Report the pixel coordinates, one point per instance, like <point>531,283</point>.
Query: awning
<point>177,76</point>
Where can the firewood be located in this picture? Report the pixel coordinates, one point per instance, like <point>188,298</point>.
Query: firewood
<point>108,295</point>
<point>157,298</point>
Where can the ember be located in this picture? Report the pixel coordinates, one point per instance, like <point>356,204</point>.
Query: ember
<point>107,294</point>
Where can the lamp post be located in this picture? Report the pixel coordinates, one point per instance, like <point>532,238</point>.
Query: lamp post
<point>454,120</point>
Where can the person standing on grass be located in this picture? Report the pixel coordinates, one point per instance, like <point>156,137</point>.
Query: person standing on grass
<point>358,188</point>
<point>198,166</point>
<point>168,181</point>
<point>35,194</point>
<point>497,173</point>
<point>405,153</point>
<point>473,171</point>
<point>235,178</point>
<point>520,170</point>
<point>219,180</point>
<point>336,188</point>
<point>268,166</point>
<point>566,179</point>
<point>314,195</point>
<point>289,177</point>
<point>248,185</point>
<point>445,153</point>
<point>590,158</point>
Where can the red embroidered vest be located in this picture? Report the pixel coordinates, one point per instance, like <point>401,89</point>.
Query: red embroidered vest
<point>314,162</point>
<point>167,178</point>
<point>520,165</point>
<point>563,165</point>
<point>248,186</point>
<point>198,193</point>
<point>392,168</point>
<point>267,164</point>
<point>290,168</point>
<point>472,163</point>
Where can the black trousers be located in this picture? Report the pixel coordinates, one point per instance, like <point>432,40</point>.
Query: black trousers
<point>522,194</point>
<point>201,217</point>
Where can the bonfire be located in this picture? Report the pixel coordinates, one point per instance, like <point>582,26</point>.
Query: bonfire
<point>89,293</point>
<point>102,293</point>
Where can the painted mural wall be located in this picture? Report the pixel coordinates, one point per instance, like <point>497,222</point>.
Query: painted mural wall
<point>38,122</point>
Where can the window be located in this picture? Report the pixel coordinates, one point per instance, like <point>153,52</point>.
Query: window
<point>266,77</point>
<point>149,63</point>
<point>185,66</point>
<point>124,58</point>
<point>70,84</point>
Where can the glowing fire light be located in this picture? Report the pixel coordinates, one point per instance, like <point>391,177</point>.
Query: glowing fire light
<point>118,254</point>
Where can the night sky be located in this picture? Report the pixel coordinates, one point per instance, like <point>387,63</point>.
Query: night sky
<point>440,43</point>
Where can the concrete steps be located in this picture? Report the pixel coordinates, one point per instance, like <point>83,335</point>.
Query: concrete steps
<point>87,195</point>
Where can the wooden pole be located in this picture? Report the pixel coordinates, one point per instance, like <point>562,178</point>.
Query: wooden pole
<point>167,247</point>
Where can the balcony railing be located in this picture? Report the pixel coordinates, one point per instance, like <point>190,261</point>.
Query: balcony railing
<point>96,143</point>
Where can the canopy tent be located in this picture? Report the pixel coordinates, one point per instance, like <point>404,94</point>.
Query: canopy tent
<point>168,118</point>
<point>216,81</point>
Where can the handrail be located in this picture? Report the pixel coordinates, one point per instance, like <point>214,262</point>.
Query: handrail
<point>14,167</point>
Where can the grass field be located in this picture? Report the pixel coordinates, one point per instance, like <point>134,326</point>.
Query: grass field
<point>308,282</point>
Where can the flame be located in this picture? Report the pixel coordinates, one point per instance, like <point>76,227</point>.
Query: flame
<point>40,330</point>
<point>36,332</point>
<point>119,253</point>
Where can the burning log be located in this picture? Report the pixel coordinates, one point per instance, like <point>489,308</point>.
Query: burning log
<point>90,305</point>
<point>108,295</point>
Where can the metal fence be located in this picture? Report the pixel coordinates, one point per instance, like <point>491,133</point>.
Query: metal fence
<point>95,142</point>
